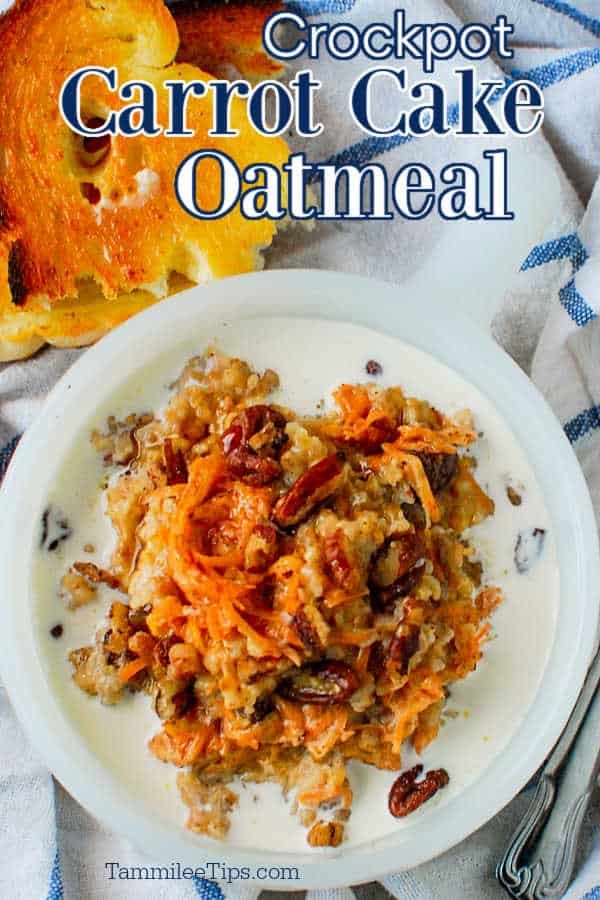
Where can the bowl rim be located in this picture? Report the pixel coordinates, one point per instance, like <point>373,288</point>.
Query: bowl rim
<point>454,340</point>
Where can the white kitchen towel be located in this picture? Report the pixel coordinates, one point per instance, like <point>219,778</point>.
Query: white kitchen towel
<point>49,845</point>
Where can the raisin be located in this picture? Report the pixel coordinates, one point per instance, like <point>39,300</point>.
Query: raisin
<point>263,707</point>
<point>374,368</point>
<point>440,469</point>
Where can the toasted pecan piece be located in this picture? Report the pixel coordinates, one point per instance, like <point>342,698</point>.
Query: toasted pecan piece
<point>97,575</point>
<point>328,681</point>
<point>175,464</point>
<point>326,834</point>
<point>407,794</point>
<point>318,483</point>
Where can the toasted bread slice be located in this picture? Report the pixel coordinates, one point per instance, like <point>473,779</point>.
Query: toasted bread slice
<point>90,233</point>
<point>220,37</point>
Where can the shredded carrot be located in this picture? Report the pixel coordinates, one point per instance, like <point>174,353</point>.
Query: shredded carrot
<point>130,669</point>
<point>292,721</point>
<point>414,473</point>
<point>417,438</point>
<point>325,728</point>
<point>337,597</point>
<point>354,402</point>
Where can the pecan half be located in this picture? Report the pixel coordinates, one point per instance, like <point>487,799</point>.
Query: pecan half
<point>374,368</point>
<point>318,483</point>
<point>407,795</point>
<point>253,442</point>
<point>306,631</point>
<point>440,469</point>
<point>329,681</point>
<point>175,464</point>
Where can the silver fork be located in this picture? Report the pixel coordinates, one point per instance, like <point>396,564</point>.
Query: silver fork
<point>540,858</point>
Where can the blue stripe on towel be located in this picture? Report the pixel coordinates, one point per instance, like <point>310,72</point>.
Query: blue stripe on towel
<point>568,246</point>
<point>594,894</point>
<point>208,890</point>
<point>6,453</point>
<point>369,148</point>
<point>577,306</point>
<point>55,888</point>
<point>320,7</point>
<point>560,69</point>
<point>583,424</point>
<point>571,12</point>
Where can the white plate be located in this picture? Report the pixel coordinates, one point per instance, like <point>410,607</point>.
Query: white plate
<point>86,769</point>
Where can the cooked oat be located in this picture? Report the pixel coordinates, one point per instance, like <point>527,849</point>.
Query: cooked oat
<point>76,590</point>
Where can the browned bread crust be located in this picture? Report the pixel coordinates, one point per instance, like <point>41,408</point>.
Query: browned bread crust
<point>221,36</point>
<point>86,240</point>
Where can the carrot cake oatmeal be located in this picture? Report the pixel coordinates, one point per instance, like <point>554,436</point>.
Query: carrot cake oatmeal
<point>293,592</point>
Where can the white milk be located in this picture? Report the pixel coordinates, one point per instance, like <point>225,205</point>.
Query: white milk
<point>312,358</point>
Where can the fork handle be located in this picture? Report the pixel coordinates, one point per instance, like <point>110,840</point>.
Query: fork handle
<point>547,837</point>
